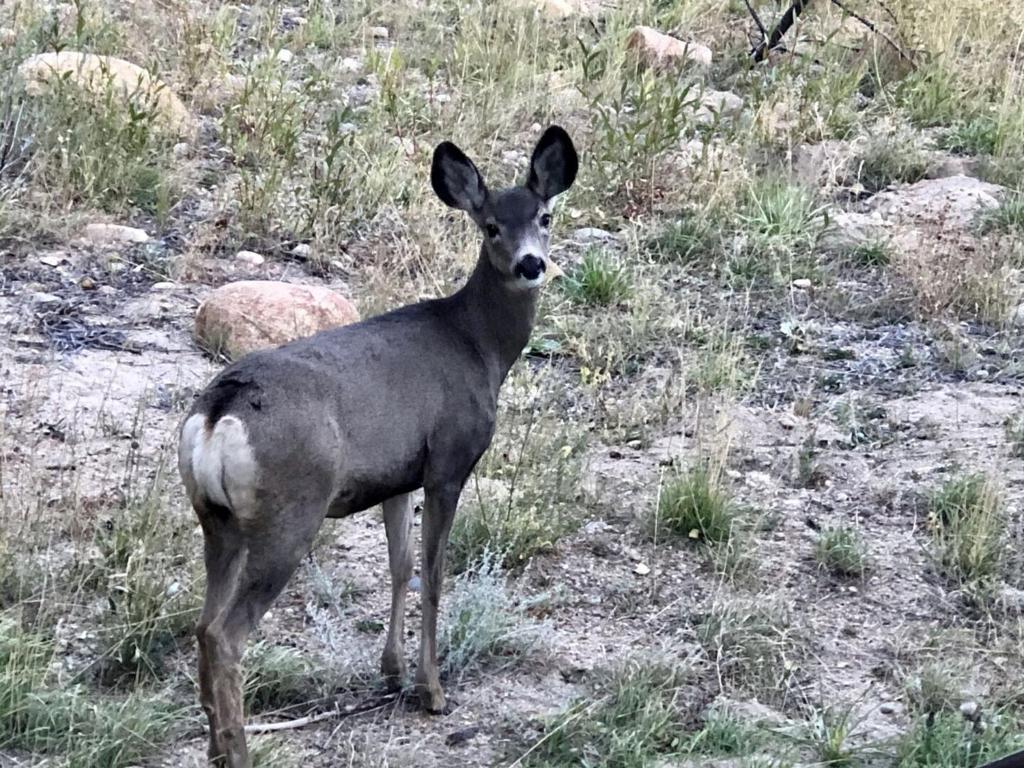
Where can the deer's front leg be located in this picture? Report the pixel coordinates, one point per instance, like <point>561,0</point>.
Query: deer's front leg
<point>438,513</point>
<point>398,523</point>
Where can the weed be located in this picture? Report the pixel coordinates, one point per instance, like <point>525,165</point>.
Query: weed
<point>1015,433</point>
<point>888,159</point>
<point>598,280</point>
<point>950,741</point>
<point>278,677</point>
<point>634,717</point>
<point>484,622</point>
<point>934,687</point>
<point>723,733</point>
<point>688,239</point>
<point>841,551</point>
<point>863,421</point>
<point>975,136</point>
<point>41,716</point>
<point>874,253</point>
<point>968,524</point>
<point>828,737</point>
<point>752,645</point>
<point>695,504</point>
<point>808,473</point>
<point>777,221</point>
<point>1008,217</point>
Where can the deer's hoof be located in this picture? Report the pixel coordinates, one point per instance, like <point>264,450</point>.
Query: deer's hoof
<point>432,698</point>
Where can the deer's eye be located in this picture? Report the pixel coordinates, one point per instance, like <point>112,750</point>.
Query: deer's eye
<point>492,231</point>
<point>545,220</point>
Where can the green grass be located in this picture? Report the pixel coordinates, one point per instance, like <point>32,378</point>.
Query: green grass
<point>695,504</point>
<point>1008,217</point>
<point>278,677</point>
<point>1015,433</point>
<point>874,253</point>
<point>889,159</point>
<point>687,239</point>
<point>599,280</point>
<point>635,715</point>
<point>842,552</point>
<point>43,715</point>
<point>949,741</point>
<point>968,525</point>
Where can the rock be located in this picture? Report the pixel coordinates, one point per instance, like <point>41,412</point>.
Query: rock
<point>242,317</point>
<point>969,709</point>
<point>717,105</point>
<point>163,285</point>
<point>302,251</point>
<point>888,708</point>
<point>54,259</point>
<point>250,257</point>
<point>41,297</point>
<point>593,235</point>
<point>642,569</point>
<point>661,51</point>
<point>96,74</point>
<point>87,284</point>
<point>351,64</point>
<point>849,229</point>
<point>285,56</point>
<point>556,9</point>
<point>822,164</point>
<point>8,37</point>
<point>181,150</point>
<point>955,200</point>
<point>112,234</point>
<point>380,33</point>
<point>943,166</point>
<point>802,283</point>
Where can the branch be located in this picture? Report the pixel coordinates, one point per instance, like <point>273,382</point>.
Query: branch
<point>757,20</point>
<point>368,705</point>
<point>874,28</point>
<point>760,52</point>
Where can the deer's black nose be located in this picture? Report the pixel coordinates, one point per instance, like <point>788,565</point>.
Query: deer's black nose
<point>530,267</point>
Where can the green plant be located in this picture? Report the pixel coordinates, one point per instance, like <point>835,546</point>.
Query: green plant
<point>841,551</point>
<point>873,253</point>
<point>828,736</point>
<point>1008,216</point>
<point>1015,433</point>
<point>753,646</point>
<point>890,158</point>
<point>635,715</point>
<point>968,525</point>
<point>598,280</point>
<point>687,239</point>
<point>278,677</point>
<point>951,741</point>
<point>777,222</point>
<point>696,504</point>
<point>484,622</point>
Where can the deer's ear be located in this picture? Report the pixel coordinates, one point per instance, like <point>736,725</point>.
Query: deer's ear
<point>456,180</point>
<point>554,164</point>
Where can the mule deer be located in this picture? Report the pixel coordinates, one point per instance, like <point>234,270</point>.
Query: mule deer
<point>357,416</point>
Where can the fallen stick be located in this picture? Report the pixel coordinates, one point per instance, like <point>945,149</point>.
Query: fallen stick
<point>874,28</point>
<point>788,19</point>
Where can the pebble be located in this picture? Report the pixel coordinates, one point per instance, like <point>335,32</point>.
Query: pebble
<point>802,283</point>
<point>41,297</point>
<point>164,286</point>
<point>52,260</point>
<point>887,709</point>
<point>302,251</point>
<point>350,64</point>
<point>250,257</point>
<point>969,709</point>
<point>642,569</point>
<point>87,284</point>
<point>181,150</point>
<point>106,234</point>
<point>380,33</point>
<point>285,56</point>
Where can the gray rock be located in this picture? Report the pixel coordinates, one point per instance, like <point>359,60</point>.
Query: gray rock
<point>953,200</point>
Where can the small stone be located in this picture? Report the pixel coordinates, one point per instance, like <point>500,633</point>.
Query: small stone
<point>302,251</point>
<point>350,64</point>
<point>380,33</point>
<point>41,297</point>
<point>802,283</point>
<point>7,37</point>
<point>642,569</point>
<point>53,259</point>
<point>593,234</point>
<point>107,290</point>
<point>285,56</point>
<point>87,284</point>
<point>887,709</point>
<point>181,150</point>
<point>110,234</point>
<point>631,553</point>
<point>164,286</point>
<point>250,257</point>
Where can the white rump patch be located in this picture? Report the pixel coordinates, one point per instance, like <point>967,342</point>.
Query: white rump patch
<point>219,464</point>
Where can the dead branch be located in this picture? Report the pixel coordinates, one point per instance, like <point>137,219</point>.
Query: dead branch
<point>760,52</point>
<point>757,20</point>
<point>369,705</point>
<point>874,28</point>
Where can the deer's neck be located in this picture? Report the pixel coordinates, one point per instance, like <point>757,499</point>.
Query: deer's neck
<point>499,316</point>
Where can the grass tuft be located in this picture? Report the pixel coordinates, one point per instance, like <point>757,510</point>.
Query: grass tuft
<point>599,281</point>
<point>968,525</point>
<point>695,504</point>
<point>842,552</point>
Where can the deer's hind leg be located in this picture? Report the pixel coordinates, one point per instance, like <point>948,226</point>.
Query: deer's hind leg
<point>398,524</point>
<point>247,567</point>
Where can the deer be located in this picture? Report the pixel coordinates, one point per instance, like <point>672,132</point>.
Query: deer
<point>359,416</point>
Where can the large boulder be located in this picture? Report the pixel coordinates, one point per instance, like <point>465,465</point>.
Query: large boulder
<point>97,74</point>
<point>242,317</point>
<point>661,51</point>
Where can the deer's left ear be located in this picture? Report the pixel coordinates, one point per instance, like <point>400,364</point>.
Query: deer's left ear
<point>554,164</point>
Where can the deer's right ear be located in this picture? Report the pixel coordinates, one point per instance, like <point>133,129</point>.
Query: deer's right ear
<point>456,180</point>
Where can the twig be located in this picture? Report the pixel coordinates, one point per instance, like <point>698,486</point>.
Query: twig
<point>874,28</point>
<point>370,705</point>
<point>788,19</point>
<point>757,20</point>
